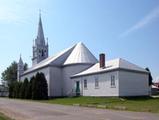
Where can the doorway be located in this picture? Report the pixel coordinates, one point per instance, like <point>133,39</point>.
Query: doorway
<point>77,88</point>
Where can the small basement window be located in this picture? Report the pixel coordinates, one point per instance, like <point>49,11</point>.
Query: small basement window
<point>112,81</point>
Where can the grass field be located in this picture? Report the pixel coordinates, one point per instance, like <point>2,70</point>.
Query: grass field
<point>3,117</point>
<point>140,104</point>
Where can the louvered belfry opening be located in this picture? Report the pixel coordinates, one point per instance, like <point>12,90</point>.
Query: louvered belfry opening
<point>102,60</point>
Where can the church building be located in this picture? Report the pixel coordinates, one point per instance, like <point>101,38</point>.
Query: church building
<point>76,71</point>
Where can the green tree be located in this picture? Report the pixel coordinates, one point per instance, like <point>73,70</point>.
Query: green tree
<point>30,87</point>
<point>35,88</point>
<point>44,87</point>
<point>11,87</point>
<point>150,76</point>
<point>26,87</point>
<point>21,93</point>
<point>16,89</point>
<point>19,89</point>
<point>28,90</point>
<point>39,87</point>
<point>10,74</point>
<point>23,88</point>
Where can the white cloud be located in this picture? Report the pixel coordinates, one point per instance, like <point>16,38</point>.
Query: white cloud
<point>154,14</point>
<point>19,11</point>
<point>4,12</point>
<point>7,15</point>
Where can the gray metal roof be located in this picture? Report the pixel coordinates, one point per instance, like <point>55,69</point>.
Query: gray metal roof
<point>53,60</point>
<point>111,65</point>
<point>78,53</point>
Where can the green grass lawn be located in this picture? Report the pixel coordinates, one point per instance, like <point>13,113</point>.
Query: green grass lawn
<point>3,117</point>
<point>141,104</point>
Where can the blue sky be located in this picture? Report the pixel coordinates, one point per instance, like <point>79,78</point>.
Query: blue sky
<point>127,29</point>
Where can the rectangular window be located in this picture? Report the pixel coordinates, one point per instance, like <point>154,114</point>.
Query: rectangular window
<point>96,83</point>
<point>112,81</point>
<point>85,83</point>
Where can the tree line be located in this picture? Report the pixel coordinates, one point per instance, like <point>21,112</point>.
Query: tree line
<point>36,88</point>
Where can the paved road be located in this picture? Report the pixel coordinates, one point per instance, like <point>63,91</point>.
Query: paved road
<point>27,110</point>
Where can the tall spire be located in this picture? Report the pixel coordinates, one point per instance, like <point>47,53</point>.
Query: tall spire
<point>40,36</point>
<point>40,49</point>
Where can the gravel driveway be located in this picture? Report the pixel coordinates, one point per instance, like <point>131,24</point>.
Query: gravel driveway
<point>27,110</point>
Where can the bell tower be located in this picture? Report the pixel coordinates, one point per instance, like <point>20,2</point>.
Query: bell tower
<point>40,46</point>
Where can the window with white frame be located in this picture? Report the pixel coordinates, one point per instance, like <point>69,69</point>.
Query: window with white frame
<point>85,83</point>
<point>112,81</point>
<point>96,82</point>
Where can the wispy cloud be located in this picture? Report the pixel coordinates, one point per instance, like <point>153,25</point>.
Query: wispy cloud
<point>154,14</point>
<point>8,16</point>
<point>19,11</point>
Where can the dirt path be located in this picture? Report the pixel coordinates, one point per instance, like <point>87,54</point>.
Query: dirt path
<point>27,110</point>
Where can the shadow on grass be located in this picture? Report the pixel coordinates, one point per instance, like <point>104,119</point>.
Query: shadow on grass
<point>138,98</point>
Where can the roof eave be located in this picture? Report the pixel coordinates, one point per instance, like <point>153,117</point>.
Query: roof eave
<point>114,69</point>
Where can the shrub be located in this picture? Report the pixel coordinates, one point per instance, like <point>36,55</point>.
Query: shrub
<point>39,87</point>
<point>23,89</point>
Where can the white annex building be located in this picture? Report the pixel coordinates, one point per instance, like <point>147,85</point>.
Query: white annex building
<point>76,71</point>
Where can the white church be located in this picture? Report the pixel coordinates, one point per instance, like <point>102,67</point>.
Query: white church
<point>76,71</point>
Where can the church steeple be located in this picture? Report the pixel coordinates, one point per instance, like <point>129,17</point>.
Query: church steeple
<point>20,69</point>
<point>40,35</point>
<point>40,48</point>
